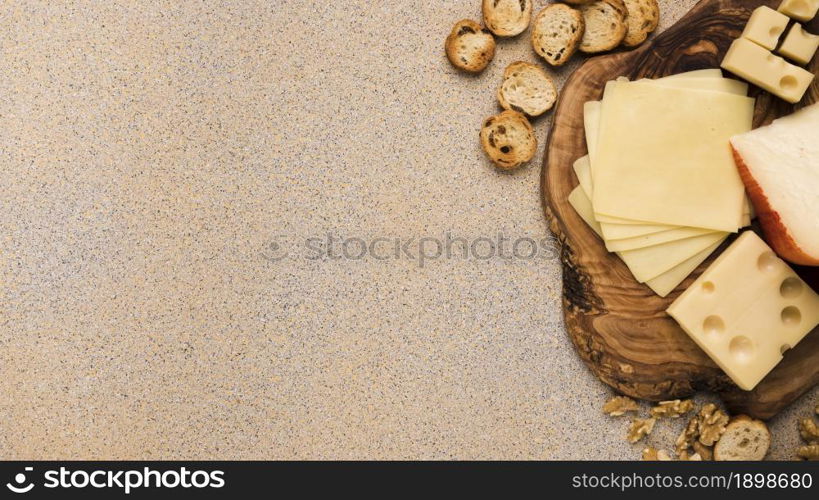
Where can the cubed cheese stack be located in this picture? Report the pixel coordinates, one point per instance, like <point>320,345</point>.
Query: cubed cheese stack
<point>659,185</point>
<point>752,55</point>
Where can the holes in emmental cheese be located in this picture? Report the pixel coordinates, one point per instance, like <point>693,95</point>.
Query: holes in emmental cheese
<point>788,82</point>
<point>708,287</point>
<point>713,325</point>
<point>775,31</point>
<point>791,288</point>
<point>767,261</point>
<point>791,316</point>
<point>741,348</point>
<point>785,348</point>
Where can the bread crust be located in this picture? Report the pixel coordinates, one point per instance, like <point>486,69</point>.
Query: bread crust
<point>608,16</point>
<point>509,101</point>
<point>508,139</point>
<point>776,233</point>
<point>566,45</point>
<point>469,47</point>
<point>642,18</point>
<point>507,18</point>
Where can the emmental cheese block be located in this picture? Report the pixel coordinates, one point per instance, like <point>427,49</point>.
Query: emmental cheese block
<point>799,46</point>
<point>802,10</point>
<point>774,74</point>
<point>747,310</point>
<point>765,27</point>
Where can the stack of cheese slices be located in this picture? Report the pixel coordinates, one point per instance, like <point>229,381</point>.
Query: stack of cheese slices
<point>659,184</point>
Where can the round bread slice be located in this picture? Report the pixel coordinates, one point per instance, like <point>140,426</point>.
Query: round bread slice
<point>745,439</point>
<point>508,139</point>
<point>526,88</point>
<point>557,33</point>
<point>507,17</point>
<point>642,19</point>
<point>605,25</point>
<point>578,2</point>
<point>469,47</point>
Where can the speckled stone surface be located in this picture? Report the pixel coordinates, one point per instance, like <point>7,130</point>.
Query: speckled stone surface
<point>165,166</point>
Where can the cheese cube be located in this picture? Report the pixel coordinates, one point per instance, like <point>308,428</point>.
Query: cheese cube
<point>764,69</point>
<point>765,27</point>
<point>747,309</point>
<point>799,45</point>
<point>802,10</point>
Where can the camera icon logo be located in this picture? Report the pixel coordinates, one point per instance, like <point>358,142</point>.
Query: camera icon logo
<point>20,480</point>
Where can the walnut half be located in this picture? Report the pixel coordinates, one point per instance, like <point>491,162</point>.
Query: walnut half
<point>712,424</point>
<point>672,409</point>
<point>703,430</point>
<point>653,455</point>
<point>810,452</point>
<point>640,428</point>
<point>685,457</point>
<point>689,436</point>
<point>706,452</point>
<point>619,405</point>
<point>809,430</point>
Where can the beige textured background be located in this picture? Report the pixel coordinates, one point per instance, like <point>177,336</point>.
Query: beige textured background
<point>152,151</point>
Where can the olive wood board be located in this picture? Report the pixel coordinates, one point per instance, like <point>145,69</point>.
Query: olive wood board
<point>619,326</point>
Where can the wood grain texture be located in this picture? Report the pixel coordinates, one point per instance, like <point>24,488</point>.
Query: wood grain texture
<point>618,326</point>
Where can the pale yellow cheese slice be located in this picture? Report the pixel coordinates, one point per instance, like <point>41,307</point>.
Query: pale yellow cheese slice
<point>623,231</point>
<point>582,169</point>
<point>697,73</point>
<point>663,284</point>
<point>591,122</point>
<point>747,309</point>
<point>707,78</point>
<point>691,181</point>
<point>747,215</point>
<point>582,205</point>
<point>667,282</point>
<point>648,263</point>
<point>704,80</point>
<point>727,85</point>
<point>649,240</point>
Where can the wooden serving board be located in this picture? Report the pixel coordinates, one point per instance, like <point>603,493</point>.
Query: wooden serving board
<point>618,326</point>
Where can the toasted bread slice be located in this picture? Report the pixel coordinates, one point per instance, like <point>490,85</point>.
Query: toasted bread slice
<point>508,139</point>
<point>557,33</point>
<point>642,19</point>
<point>526,88</point>
<point>605,25</point>
<point>470,47</point>
<point>744,439</point>
<point>507,17</point>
